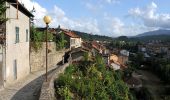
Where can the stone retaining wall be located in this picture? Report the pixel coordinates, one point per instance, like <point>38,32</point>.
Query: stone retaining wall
<point>48,90</point>
<point>37,59</point>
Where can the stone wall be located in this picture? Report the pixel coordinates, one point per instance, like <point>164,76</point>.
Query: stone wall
<point>48,90</point>
<point>38,59</point>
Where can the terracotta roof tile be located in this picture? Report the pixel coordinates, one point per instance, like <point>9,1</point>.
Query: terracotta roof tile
<point>70,33</point>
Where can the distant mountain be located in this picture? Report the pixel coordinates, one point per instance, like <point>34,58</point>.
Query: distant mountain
<point>156,32</point>
<point>165,38</point>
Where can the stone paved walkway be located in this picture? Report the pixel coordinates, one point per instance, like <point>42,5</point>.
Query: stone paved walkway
<point>25,89</point>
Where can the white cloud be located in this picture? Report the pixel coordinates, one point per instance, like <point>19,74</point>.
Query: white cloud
<point>59,18</point>
<point>93,7</point>
<point>116,27</point>
<point>84,25</point>
<point>150,17</point>
<point>40,11</point>
<point>109,25</point>
<point>112,1</point>
<point>113,25</point>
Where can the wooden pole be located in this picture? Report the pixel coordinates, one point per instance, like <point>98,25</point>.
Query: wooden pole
<point>17,9</point>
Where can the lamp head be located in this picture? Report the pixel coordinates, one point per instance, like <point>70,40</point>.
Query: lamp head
<point>47,19</point>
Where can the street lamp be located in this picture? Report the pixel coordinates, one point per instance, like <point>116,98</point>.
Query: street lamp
<point>47,20</point>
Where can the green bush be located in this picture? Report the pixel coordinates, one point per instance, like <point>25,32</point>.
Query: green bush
<point>98,83</point>
<point>38,37</point>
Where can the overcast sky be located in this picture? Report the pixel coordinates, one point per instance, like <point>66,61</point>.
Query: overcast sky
<point>104,17</point>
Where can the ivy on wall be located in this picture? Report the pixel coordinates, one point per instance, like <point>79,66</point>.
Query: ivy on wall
<point>38,37</point>
<point>60,41</point>
<point>2,11</point>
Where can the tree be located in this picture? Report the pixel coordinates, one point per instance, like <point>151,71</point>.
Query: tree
<point>2,11</point>
<point>38,37</point>
<point>98,83</point>
<point>61,42</point>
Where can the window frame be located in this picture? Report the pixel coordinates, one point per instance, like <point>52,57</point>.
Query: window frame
<point>27,35</point>
<point>16,34</point>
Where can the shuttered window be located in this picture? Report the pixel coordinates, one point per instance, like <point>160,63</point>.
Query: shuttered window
<point>17,35</point>
<point>27,36</point>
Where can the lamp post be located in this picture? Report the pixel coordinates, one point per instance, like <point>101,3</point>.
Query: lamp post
<point>47,20</point>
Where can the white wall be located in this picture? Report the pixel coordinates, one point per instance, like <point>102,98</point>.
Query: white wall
<point>124,52</point>
<point>18,51</point>
<point>115,66</point>
<point>77,42</point>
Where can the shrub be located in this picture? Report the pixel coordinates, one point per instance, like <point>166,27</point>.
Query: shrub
<point>91,81</point>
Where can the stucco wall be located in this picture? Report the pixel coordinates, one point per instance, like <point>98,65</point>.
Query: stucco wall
<point>37,59</point>
<point>16,51</point>
<point>76,44</point>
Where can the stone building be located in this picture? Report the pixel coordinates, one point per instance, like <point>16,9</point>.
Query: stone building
<point>73,40</point>
<point>14,47</point>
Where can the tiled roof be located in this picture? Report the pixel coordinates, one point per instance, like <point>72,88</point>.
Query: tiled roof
<point>21,8</point>
<point>69,33</point>
<point>87,46</point>
<point>95,45</point>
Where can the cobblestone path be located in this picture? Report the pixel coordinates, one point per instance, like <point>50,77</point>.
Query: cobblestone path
<point>25,89</point>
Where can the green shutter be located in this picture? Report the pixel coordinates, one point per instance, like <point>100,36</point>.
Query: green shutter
<point>17,35</point>
<point>27,35</point>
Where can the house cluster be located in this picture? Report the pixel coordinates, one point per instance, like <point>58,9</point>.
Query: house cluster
<point>77,48</point>
<point>153,49</point>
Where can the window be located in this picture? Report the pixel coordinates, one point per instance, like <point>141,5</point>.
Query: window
<point>73,41</point>
<point>17,35</point>
<point>27,37</point>
<point>15,69</point>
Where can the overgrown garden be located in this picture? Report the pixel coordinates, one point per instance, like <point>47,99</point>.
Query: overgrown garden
<point>91,80</point>
<point>38,37</point>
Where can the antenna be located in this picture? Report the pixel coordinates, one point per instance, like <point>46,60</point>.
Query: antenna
<point>33,10</point>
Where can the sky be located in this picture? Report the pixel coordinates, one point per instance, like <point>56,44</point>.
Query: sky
<point>103,17</point>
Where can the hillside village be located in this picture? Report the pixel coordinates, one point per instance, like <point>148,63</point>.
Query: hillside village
<point>27,50</point>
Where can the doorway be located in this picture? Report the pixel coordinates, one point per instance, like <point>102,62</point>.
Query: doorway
<point>1,67</point>
<point>15,69</point>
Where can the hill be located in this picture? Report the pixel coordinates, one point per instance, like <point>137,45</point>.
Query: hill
<point>165,38</point>
<point>156,32</point>
<point>87,37</point>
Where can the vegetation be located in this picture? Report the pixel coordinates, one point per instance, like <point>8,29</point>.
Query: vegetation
<point>91,80</point>
<point>162,68</point>
<point>60,41</point>
<point>90,37</point>
<point>128,45</point>
<point>164,38</point>
<point>144,94</point>
<point>2,11</point>
<point>38,37</point>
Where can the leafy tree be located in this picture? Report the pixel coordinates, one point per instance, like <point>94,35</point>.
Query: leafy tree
<point>61,42</point>
<point>38,37</point>
<point>98,83</point>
